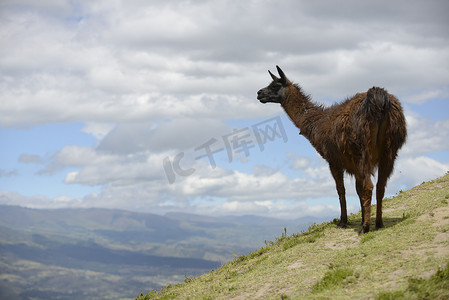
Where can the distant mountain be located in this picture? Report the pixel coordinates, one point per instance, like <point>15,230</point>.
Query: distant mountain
<point>243,220</point>
<point>74,255</point>
<point>90,218</point>
<point>83,253</point>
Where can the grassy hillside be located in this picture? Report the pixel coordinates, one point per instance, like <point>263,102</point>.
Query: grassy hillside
<point>409,258</point>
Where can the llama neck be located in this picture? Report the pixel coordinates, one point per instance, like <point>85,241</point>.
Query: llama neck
<point>303,113</point>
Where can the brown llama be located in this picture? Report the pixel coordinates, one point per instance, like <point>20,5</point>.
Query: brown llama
<point>355,136</point>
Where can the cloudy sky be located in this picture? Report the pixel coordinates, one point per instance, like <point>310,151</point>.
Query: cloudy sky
<point>151,105</point>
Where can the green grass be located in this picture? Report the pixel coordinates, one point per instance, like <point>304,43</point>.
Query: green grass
<point>335,278</point>
<point>435,287</point>
<point>328,262</point>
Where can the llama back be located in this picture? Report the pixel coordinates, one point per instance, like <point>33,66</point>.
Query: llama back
<point>397,127</point>
<point>376,103</point>
<point>385,109</point>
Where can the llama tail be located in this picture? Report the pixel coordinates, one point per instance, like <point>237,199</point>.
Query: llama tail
<point>376,103</point>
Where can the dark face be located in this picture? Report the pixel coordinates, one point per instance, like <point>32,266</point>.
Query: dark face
<point>276,90</point>
<point>272,93</point>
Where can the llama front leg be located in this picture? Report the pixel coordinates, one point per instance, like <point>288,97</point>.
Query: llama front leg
<point>359,189</point>
<point>338,177</point>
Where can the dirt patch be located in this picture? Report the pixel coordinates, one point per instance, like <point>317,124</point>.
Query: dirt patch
<point>347,239</point>
<point>439,216</point>
<point>396,279</point>
<point>439,247</point>
<point>395,209</point>
<point>261,291</point>
<point>442,244</point>
<point>296,265</point>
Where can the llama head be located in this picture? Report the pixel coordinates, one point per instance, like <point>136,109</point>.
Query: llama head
<point>275,91</point>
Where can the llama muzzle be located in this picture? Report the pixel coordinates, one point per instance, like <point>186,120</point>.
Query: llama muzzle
<point>261,97</point>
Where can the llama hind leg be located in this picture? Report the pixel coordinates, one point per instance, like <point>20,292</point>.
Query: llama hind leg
<point>365,200</point>
<point>338,177</point>
<point>380,191</point>
<point>385,169</point>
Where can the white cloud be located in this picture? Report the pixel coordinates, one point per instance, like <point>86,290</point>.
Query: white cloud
<point>138,179</point>
<point>98,168</point>
<point>279,209</point>
<point>411,171</point>
<point>8,173</point>
<point>427,95</point>
<point>98,130</point>
<point>129,62</point>
<point>120,171</point>
<point>298,162</point>
<point>13,198</point>
<point>30,159</point>
<point>247,187</point>
<point>425,136</point>
<point>151,79</point>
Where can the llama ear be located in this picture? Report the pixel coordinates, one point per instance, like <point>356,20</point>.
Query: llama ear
<point>284,79</point>
<point>273,76</point>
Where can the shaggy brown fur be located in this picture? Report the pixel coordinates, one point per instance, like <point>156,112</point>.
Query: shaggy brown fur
<point>355,136</point>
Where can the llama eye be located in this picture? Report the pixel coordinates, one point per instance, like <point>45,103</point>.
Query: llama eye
<point>277,87</point>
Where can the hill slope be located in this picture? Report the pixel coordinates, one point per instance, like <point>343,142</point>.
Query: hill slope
<point>401,260</point>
